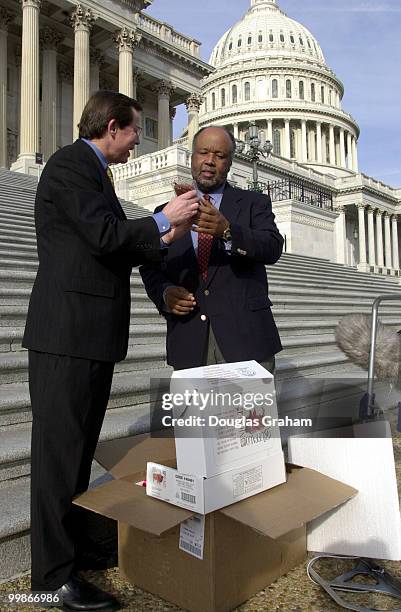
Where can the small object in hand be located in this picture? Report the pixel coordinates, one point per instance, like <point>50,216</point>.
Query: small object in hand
<point>181,188</point>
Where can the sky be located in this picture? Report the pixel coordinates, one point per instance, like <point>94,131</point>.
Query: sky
<point>361,42</point>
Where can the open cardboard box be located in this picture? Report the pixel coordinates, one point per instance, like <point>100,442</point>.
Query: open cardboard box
<point>247,545</point>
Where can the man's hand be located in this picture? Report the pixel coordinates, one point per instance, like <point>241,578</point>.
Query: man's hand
<point>176,232</point>
<point>179,300</point>
<point>210,220</point>
<point>182,208</point>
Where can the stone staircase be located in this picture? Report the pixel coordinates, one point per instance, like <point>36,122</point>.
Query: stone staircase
<point>309,297</point>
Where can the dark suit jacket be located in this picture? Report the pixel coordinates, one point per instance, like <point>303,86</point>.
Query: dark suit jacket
<point>235,296</point>
<point>80,302</point>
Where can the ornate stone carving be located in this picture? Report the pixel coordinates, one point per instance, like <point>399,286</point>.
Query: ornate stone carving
<point>361,205</point>
<point>378,212</point>
<point>194,102</point>
<point>340,208</point>
<point>96,56</point>
<point>5,18</point>
<point>34,3</point>
<point>65,72</point>
<point>173,112</point>
<point>50,38</point>
<point>164,88</point>
<point>82,18</point>
<point>127,40</point>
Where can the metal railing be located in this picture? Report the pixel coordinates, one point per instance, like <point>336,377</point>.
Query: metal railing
<point>293,189</point>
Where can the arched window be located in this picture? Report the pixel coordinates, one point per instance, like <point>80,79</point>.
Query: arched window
<point>301,42</point>
<point>331,97</point>
<point>274,88</point>
<point>230,46</point>
<point>234,94</point>
<point>277,142</point>
<point>260,37</point>
<point>247,91</point>
<point>271,37</point>
<point>223,97</point>
<point>213,101</point>
<point>282,38</point>
<point>322,93</point>
<point>292,39</point>
<point>301,90</point>
<point>309,45</point>
<point>249,40</point>
<point>313,92</point>
<point>288,88</point>
<point>239,42</point>
<point>293,152</point>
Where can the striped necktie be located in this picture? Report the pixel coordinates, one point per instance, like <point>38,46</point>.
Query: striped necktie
<point>204,247</point>
<point>110,175</point>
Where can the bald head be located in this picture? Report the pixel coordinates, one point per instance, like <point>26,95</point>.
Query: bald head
<point>212,154</point>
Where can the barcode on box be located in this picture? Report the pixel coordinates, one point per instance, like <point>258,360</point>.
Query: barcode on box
<point>193,550</point>
<point>188,498</point>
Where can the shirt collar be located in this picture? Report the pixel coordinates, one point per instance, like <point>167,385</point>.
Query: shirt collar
<point>98,152</point>
<point>216,192</point>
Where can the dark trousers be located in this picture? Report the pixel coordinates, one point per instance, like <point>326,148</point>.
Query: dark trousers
<point>69,398</point>
<point>214,354</point>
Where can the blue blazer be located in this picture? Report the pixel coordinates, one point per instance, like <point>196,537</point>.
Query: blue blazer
<point>234,299</point>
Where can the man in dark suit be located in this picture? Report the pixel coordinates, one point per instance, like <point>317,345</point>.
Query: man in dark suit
<point>212,286</point>
<point>78,326</point>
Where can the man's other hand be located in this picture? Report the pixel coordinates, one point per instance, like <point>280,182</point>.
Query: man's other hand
<point>176,232</point>
<point>179,300</point>
<point>182,208</point>
<point>210,220</point>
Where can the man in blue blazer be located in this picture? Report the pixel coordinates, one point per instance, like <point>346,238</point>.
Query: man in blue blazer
<point>212,286</point>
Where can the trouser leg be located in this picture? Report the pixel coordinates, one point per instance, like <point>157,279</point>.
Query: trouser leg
<point>69,397</point>
<point>214,354</point>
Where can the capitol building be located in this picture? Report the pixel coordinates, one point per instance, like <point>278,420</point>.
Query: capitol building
<point>267,69</point>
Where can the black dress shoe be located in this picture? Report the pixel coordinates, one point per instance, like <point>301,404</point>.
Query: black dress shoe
<point>79,595</point>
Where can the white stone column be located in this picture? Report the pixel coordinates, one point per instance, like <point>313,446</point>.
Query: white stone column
<point>96,62</point>
<point>236,131</point>
<point>332,146</point>
<point>342,148</point>
<point>287,139</point>
<point>29,120</point>
<point>371,237</point>
<point>354,154</point>
<point>362,237</point>
<point>173,112</point>
<point>5,19</point>
<point>387,240</point>
<point>318,142</point>
<point>82,20</point>
<point>193,104</point>
<point>270,130</point>
<point>379,238</point>
<point>49,39</point>
<point>304,147</point>
<point>164,90</point>
<point>396,254</point>
<point>126,41</point>
<point>312,144</point>
<point>349,151</point>
<point>341,234</point>
<point>324,147</point>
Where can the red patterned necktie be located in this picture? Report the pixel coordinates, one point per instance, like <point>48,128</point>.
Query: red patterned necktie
<point>204,248</point>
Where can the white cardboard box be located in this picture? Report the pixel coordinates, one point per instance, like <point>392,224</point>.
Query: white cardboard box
<point>204,495</point>
<point>216,434</point>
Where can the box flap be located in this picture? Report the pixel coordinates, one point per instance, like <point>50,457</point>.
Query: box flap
<point>126,502</point>
<point>126,456</point>
<point>306,495</point>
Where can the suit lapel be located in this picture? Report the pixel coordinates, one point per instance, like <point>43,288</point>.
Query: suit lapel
<point>107,186</point>
<point>230,207</point>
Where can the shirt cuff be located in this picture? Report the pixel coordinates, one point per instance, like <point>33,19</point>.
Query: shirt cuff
<point>162,223</point>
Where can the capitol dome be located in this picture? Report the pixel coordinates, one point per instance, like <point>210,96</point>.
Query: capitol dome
<point>270,69</point>
<point>266,31</point>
